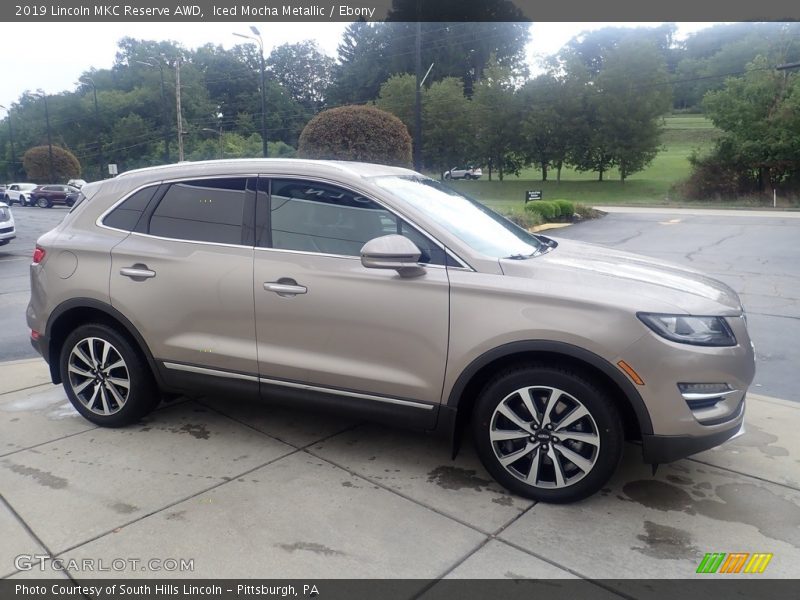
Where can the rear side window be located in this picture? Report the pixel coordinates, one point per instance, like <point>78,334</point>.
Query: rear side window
<point>127,214</point>
<point>204,210</point>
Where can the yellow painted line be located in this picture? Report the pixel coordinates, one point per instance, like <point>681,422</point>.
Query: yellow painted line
<point>547,226</point>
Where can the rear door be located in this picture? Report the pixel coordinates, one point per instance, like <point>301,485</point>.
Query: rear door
<point>184,277</point>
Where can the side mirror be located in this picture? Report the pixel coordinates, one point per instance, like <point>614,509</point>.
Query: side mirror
<point>392,252</point>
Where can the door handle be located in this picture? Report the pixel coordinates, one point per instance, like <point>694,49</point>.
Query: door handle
<point>137,272</point>
<point>285,287</point>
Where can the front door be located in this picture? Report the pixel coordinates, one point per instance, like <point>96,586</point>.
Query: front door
<point>327,324</point>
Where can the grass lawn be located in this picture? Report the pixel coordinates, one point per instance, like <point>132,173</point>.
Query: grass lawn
<point>683,134</point>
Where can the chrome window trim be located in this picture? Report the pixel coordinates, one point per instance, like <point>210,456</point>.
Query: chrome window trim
<point>292,384</point>
<point>463,265</point>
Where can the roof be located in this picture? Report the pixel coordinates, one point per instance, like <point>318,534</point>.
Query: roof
<point>267,166</point>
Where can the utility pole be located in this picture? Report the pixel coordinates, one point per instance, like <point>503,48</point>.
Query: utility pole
<point>13,169</point>
<point>43,96</point>
<point>178,107</point>
<point>100,160</point>
<point>418,100</point>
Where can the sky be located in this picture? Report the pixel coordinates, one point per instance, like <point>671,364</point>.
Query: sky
<point>55,64</point>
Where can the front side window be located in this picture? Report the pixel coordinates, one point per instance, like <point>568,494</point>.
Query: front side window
<point>316,217</point>
<point>204,210</point>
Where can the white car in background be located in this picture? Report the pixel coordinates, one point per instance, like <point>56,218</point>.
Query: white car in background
<point>458,173</point>
<point>19,193</point>
<point>7,229</point>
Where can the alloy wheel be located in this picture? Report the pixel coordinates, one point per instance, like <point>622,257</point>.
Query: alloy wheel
<point>544,437</point>
<point>99,376</point>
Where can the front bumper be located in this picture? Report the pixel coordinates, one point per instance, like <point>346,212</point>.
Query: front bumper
<point>657,449</point>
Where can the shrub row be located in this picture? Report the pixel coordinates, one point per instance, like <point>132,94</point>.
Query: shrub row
<point>550,210</point>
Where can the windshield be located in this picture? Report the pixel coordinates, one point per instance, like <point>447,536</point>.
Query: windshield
<point>478,227</point>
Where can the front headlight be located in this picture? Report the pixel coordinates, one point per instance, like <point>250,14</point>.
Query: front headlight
<point>685,329</point>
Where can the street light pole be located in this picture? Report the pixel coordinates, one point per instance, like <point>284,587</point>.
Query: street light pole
<point>100,160</point>
<point>13,170</point>
<point>42,95</point>
<point>257,38</point>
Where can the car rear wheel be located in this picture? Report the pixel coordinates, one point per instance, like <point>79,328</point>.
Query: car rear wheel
<point>547,433</point>
<point>105,378</point>
<point>43,203</point>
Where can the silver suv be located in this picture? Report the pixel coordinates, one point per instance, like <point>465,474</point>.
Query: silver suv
<point>376,291</point>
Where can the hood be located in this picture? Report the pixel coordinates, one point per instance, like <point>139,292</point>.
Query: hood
<point>632,274</point>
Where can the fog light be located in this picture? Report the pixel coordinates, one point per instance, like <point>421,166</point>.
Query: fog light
<point>704,395</point>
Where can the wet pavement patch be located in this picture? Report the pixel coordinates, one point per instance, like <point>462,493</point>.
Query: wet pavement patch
<point>199,432</point>
<point>310,547</point>
<point>456,478</point>
<point>124,508</point>
<point>758,438</point>
<point>44,478</point>
<point>774,516</point>
<point>663,541</point>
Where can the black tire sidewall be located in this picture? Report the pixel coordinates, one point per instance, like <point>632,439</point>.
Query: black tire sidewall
<point>603,411</point>
<point>143,395</point>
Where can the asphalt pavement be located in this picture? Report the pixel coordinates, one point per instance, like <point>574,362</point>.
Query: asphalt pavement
<point>15,288</point>
<point>757,253</point>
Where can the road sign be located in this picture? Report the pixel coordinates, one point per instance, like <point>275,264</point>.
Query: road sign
<point>533,195</point>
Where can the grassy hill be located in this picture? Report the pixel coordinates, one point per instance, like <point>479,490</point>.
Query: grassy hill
<point>682,135</point>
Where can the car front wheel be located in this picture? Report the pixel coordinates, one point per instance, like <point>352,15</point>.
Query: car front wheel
<point>105,378</point>
<point>547,433</point>
<point>43,203</point>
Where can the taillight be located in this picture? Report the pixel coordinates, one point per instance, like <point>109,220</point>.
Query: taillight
<point>38,255</point>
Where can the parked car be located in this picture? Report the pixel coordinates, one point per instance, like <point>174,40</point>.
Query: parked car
<point>19,193</point>
<point>382,293</point>
<point>77,183</point>
<point>71,198</point>
<point>7,229</point>
<point>45,196</point>
<point>464,173</point>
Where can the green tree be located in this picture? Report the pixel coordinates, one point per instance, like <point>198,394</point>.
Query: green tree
<point>36,162</point>
<point>760,116</point>
<point>303,71</point>
<point>495,113</point>
<point>398,96</point>
<point>448,129</point>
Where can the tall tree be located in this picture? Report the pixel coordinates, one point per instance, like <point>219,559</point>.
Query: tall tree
<point>303,71</point>
<point>448,133</point>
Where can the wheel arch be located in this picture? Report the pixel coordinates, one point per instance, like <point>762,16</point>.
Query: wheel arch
<point>77,311</point>
<point>457,407</point>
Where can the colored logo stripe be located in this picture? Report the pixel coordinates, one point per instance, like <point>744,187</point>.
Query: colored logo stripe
<point>758,562</point>
<point>735,562</point>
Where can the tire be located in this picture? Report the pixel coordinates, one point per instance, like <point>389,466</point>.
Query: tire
<point>43,202</point>
<point>546,445</point>
<point>100,394</point>
<point>447,175</point>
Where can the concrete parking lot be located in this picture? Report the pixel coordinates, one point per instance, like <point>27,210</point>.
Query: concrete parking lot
<point>245,490</point>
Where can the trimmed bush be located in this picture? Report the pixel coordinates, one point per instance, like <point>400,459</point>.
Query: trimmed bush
<point>544,208</point>
<point>565,208</point>
<point>36,162</point>
<point>525,219</point>
<point>361,133</point>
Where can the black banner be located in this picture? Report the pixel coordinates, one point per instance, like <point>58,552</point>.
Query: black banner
<point>713,588</point>
<point>394,10</point>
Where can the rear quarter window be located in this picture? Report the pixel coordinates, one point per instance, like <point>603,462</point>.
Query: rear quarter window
<point>126,215</point>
